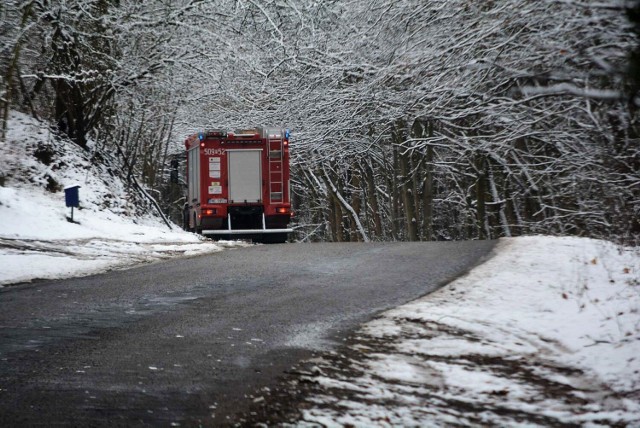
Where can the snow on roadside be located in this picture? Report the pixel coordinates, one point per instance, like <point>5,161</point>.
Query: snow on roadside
<point>36,239</point>
<point>547,332</point>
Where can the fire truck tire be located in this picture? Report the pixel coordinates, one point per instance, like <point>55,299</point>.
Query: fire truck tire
<point>196,228</point>
<point>185,218</point>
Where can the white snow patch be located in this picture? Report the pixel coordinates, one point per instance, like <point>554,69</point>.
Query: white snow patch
<point>545,332</point>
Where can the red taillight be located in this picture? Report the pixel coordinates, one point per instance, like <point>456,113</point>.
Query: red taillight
<point>282,210</point>
<point>209,212</point>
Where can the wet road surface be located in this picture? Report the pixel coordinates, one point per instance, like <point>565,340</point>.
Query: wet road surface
<point>189,342</point>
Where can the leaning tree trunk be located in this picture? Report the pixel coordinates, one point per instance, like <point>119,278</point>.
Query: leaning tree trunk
<point>341,202</point>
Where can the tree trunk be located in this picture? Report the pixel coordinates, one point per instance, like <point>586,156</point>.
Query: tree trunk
<point>407,199</point>
<point>405,188</point>
<point>356,203</point>
<point>427,198</point>
<point>394,195</point>
<point>481,210</point>
<point>501,203</point>
<point>372,198</point>
<point>335,218</point>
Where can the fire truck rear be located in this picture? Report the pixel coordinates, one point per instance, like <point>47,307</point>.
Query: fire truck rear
<point>238,184</point>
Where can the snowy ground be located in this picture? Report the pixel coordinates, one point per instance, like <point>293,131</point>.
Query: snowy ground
<point>36,239</point>
<point>547,332</point>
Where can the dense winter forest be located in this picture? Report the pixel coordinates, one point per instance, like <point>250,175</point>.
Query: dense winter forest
<point>411,119</point>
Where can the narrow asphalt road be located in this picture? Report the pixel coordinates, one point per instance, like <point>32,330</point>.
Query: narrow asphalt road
<point>188,342</point>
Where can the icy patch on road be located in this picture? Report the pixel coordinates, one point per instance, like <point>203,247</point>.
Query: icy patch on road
<point>311,336</point>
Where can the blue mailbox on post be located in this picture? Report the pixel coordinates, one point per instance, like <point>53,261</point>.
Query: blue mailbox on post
<point>72,198</point>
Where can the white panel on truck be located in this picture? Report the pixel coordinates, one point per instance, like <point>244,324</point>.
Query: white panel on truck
<point>194,175</point>
<point>245,175</point>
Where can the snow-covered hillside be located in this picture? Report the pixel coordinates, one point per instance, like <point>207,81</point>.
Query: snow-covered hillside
<point>109,230</point>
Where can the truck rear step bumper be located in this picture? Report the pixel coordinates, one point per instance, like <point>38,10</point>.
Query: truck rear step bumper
<point>231,231</point>
<point>244,231</point>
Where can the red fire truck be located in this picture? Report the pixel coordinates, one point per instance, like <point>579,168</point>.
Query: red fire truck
<point>239,184</point>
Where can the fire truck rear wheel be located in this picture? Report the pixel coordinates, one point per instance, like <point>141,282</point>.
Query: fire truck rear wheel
<point>185,218</point>
<point>196,228</point>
